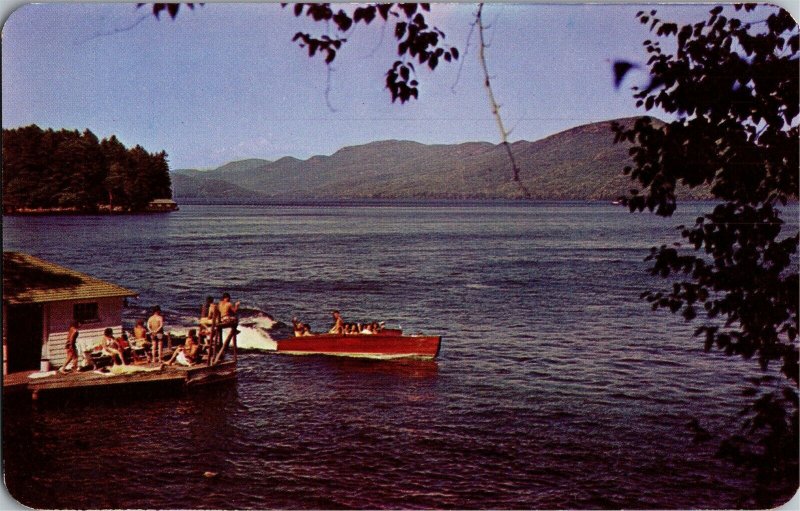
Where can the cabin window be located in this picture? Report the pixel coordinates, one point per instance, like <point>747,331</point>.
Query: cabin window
<point>85,312</point>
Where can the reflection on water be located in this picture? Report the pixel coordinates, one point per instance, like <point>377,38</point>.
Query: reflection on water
<point>347,367</point>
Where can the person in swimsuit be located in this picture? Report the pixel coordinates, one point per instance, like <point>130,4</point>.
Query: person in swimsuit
<point>338,323</point>
<point>139,333</point>
<point>155,324</point>
<point>141,345</point>
<point>189,353</point>
<point>110,347</point>
<point>227,311</point>
<point>207,312</point>
<point>298,327</point>
<point>72,347</point>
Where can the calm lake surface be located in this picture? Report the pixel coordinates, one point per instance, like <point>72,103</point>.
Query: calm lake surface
<point>556,387</point>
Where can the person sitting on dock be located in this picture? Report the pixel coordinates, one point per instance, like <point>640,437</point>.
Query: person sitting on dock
<point>139,331</point>
<point>72,347</point>
<point>124,346</point>
<point>109,346</point>
<point>140,341</point>
<point>338,323</point>
<point>187,354</point>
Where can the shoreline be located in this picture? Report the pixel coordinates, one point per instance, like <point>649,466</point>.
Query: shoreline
<point>57,212</point>
<point>352,201</point>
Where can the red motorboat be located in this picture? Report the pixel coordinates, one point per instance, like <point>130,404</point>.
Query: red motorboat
<point>387,344</point>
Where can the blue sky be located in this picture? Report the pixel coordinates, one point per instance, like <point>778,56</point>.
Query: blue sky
<point>224,81</point>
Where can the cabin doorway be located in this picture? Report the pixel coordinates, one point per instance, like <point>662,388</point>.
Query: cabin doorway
<point>24,337</point>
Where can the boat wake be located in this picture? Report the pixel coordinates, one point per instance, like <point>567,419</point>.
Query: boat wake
<point>253,331</point>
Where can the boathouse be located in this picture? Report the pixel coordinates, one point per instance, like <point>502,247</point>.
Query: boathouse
<point>159,205</point>
<point>41,299</point>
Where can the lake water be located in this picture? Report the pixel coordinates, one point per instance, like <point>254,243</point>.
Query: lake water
<point>556,387</point>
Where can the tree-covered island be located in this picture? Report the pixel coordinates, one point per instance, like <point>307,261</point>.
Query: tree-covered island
<point>69,171</point>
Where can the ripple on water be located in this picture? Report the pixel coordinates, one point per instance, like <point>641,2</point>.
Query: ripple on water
<point>557,387</point>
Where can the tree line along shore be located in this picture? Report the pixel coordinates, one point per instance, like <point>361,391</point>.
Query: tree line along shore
<point>47,171</point>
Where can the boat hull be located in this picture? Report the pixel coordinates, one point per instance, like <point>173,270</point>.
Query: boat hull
<point>369,346</point>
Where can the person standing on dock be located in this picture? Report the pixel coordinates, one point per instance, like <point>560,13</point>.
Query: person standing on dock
<point>208,312</point>
<point>72,347</point>
<point>227,319</point>
<point>155,324</point>
<point>227,312</point>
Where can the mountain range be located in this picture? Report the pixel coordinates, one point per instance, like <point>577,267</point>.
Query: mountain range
<point>580,163</point>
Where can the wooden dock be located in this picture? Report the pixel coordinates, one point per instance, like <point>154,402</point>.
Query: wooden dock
<point>135,377</point>
<point>142,378</point>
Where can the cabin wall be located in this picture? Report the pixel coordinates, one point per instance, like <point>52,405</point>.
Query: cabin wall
<point>59,315</point>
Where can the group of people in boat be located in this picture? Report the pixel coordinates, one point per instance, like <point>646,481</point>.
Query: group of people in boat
<point>339,327</point>
<point>149,338</point>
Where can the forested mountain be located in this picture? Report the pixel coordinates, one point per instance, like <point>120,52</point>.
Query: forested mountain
<point>234,166</point>
<point>187,186</point>
<point>67,169</point>
<point>580,163</point>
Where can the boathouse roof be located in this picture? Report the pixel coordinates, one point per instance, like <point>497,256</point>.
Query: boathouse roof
<point>28,279</point>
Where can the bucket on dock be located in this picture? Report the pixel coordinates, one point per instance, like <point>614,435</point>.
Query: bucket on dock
<point>45,365</point>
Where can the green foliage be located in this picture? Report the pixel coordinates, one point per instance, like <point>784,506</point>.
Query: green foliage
<point>68,169</point>
<point>171,8</point>
<point>416,40</point>
<point>733,87</point>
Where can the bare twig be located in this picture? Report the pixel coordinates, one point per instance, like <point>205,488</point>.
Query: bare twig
<point>463,56</point>
<point>328,74</point>
<point>380,41</point>
<point>114,30</point>
<point>328,89</point>
<point>493,102</point>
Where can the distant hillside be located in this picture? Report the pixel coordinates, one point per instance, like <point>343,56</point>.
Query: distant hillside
<point>184,186</point>
<point>242,165</point>
<point>580,163</point>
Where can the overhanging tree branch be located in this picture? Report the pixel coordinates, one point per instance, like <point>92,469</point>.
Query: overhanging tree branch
<point>493,102</point>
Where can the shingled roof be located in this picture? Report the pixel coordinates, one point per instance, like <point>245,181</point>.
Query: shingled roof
<point>28,279</point>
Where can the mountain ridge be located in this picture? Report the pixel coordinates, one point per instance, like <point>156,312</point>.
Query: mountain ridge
<point>578,163</point>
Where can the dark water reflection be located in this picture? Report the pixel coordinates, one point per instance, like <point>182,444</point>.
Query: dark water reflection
<point>556,386</point>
